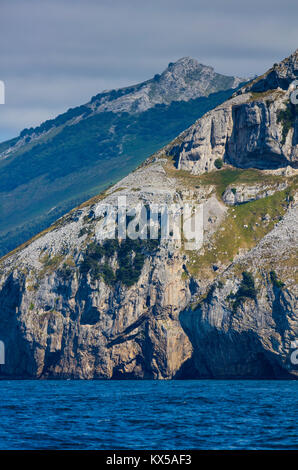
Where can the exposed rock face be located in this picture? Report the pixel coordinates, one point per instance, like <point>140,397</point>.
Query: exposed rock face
<point>66,324</point>
<point>245,193</point>
<point>82,329</point>
<point>247,130</point>
<point>280,75</point>
<point>57,321</point>
<point>205,141</point>
<point>71,306</point>
<point>257,138</point>
<point>181,81</point>
<point>255,339</point>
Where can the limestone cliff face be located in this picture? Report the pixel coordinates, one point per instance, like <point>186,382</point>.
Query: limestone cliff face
<point>74,306</point>
<point>255,339</point>
<point>83,329</point>
<point>249,130</point>
<point>59,322</point>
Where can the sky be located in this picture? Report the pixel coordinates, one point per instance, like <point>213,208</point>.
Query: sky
<point>56,54</point>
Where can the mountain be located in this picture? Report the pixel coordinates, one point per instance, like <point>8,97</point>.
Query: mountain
<point>246,132</point>
<point>49,169</point>
<point>73,306</point>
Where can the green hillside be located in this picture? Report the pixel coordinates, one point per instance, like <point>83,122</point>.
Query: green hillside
<point>73,161</point>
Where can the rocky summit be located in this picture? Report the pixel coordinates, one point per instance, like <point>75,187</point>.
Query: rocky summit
<point>72,306</point>
<point>183,80</point>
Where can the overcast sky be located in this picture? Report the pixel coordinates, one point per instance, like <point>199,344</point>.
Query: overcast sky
<point>55,54</point>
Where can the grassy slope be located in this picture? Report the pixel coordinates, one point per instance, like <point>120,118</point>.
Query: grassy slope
<point>245,224</point>
<point>221,179</point>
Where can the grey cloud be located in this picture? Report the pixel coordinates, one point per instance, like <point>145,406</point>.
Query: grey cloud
<point>57,53</point>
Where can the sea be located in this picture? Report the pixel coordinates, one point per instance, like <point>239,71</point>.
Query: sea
<point>161,415</point>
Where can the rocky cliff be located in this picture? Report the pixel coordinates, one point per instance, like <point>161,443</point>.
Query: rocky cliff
<point>258,127</point>
<point>248,324</point>
<point>73,306</point>
<point>71,322</point>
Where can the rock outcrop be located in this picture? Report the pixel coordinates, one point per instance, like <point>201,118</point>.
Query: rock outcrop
<point>281,75</point>
<point>75,306</point>
<point>66,323</point>
<point>245,193</point>
<point>258,127</point>
<point>250,336</point>
<point>183,80</point>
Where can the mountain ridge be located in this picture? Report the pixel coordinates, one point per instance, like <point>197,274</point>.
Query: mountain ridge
<point>61,163</point>
<point>174,75</point>
<point>73,307</point>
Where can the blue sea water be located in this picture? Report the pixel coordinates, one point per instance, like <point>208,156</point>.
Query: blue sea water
<point>165,415</point>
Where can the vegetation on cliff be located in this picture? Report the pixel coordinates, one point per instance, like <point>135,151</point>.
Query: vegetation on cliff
<point>129,254</point>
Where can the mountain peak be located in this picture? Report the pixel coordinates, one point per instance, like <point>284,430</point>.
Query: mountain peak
<point>187,65</point>
<point>188,62</point>
<point>182,80</point>
<point>188,79</point>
